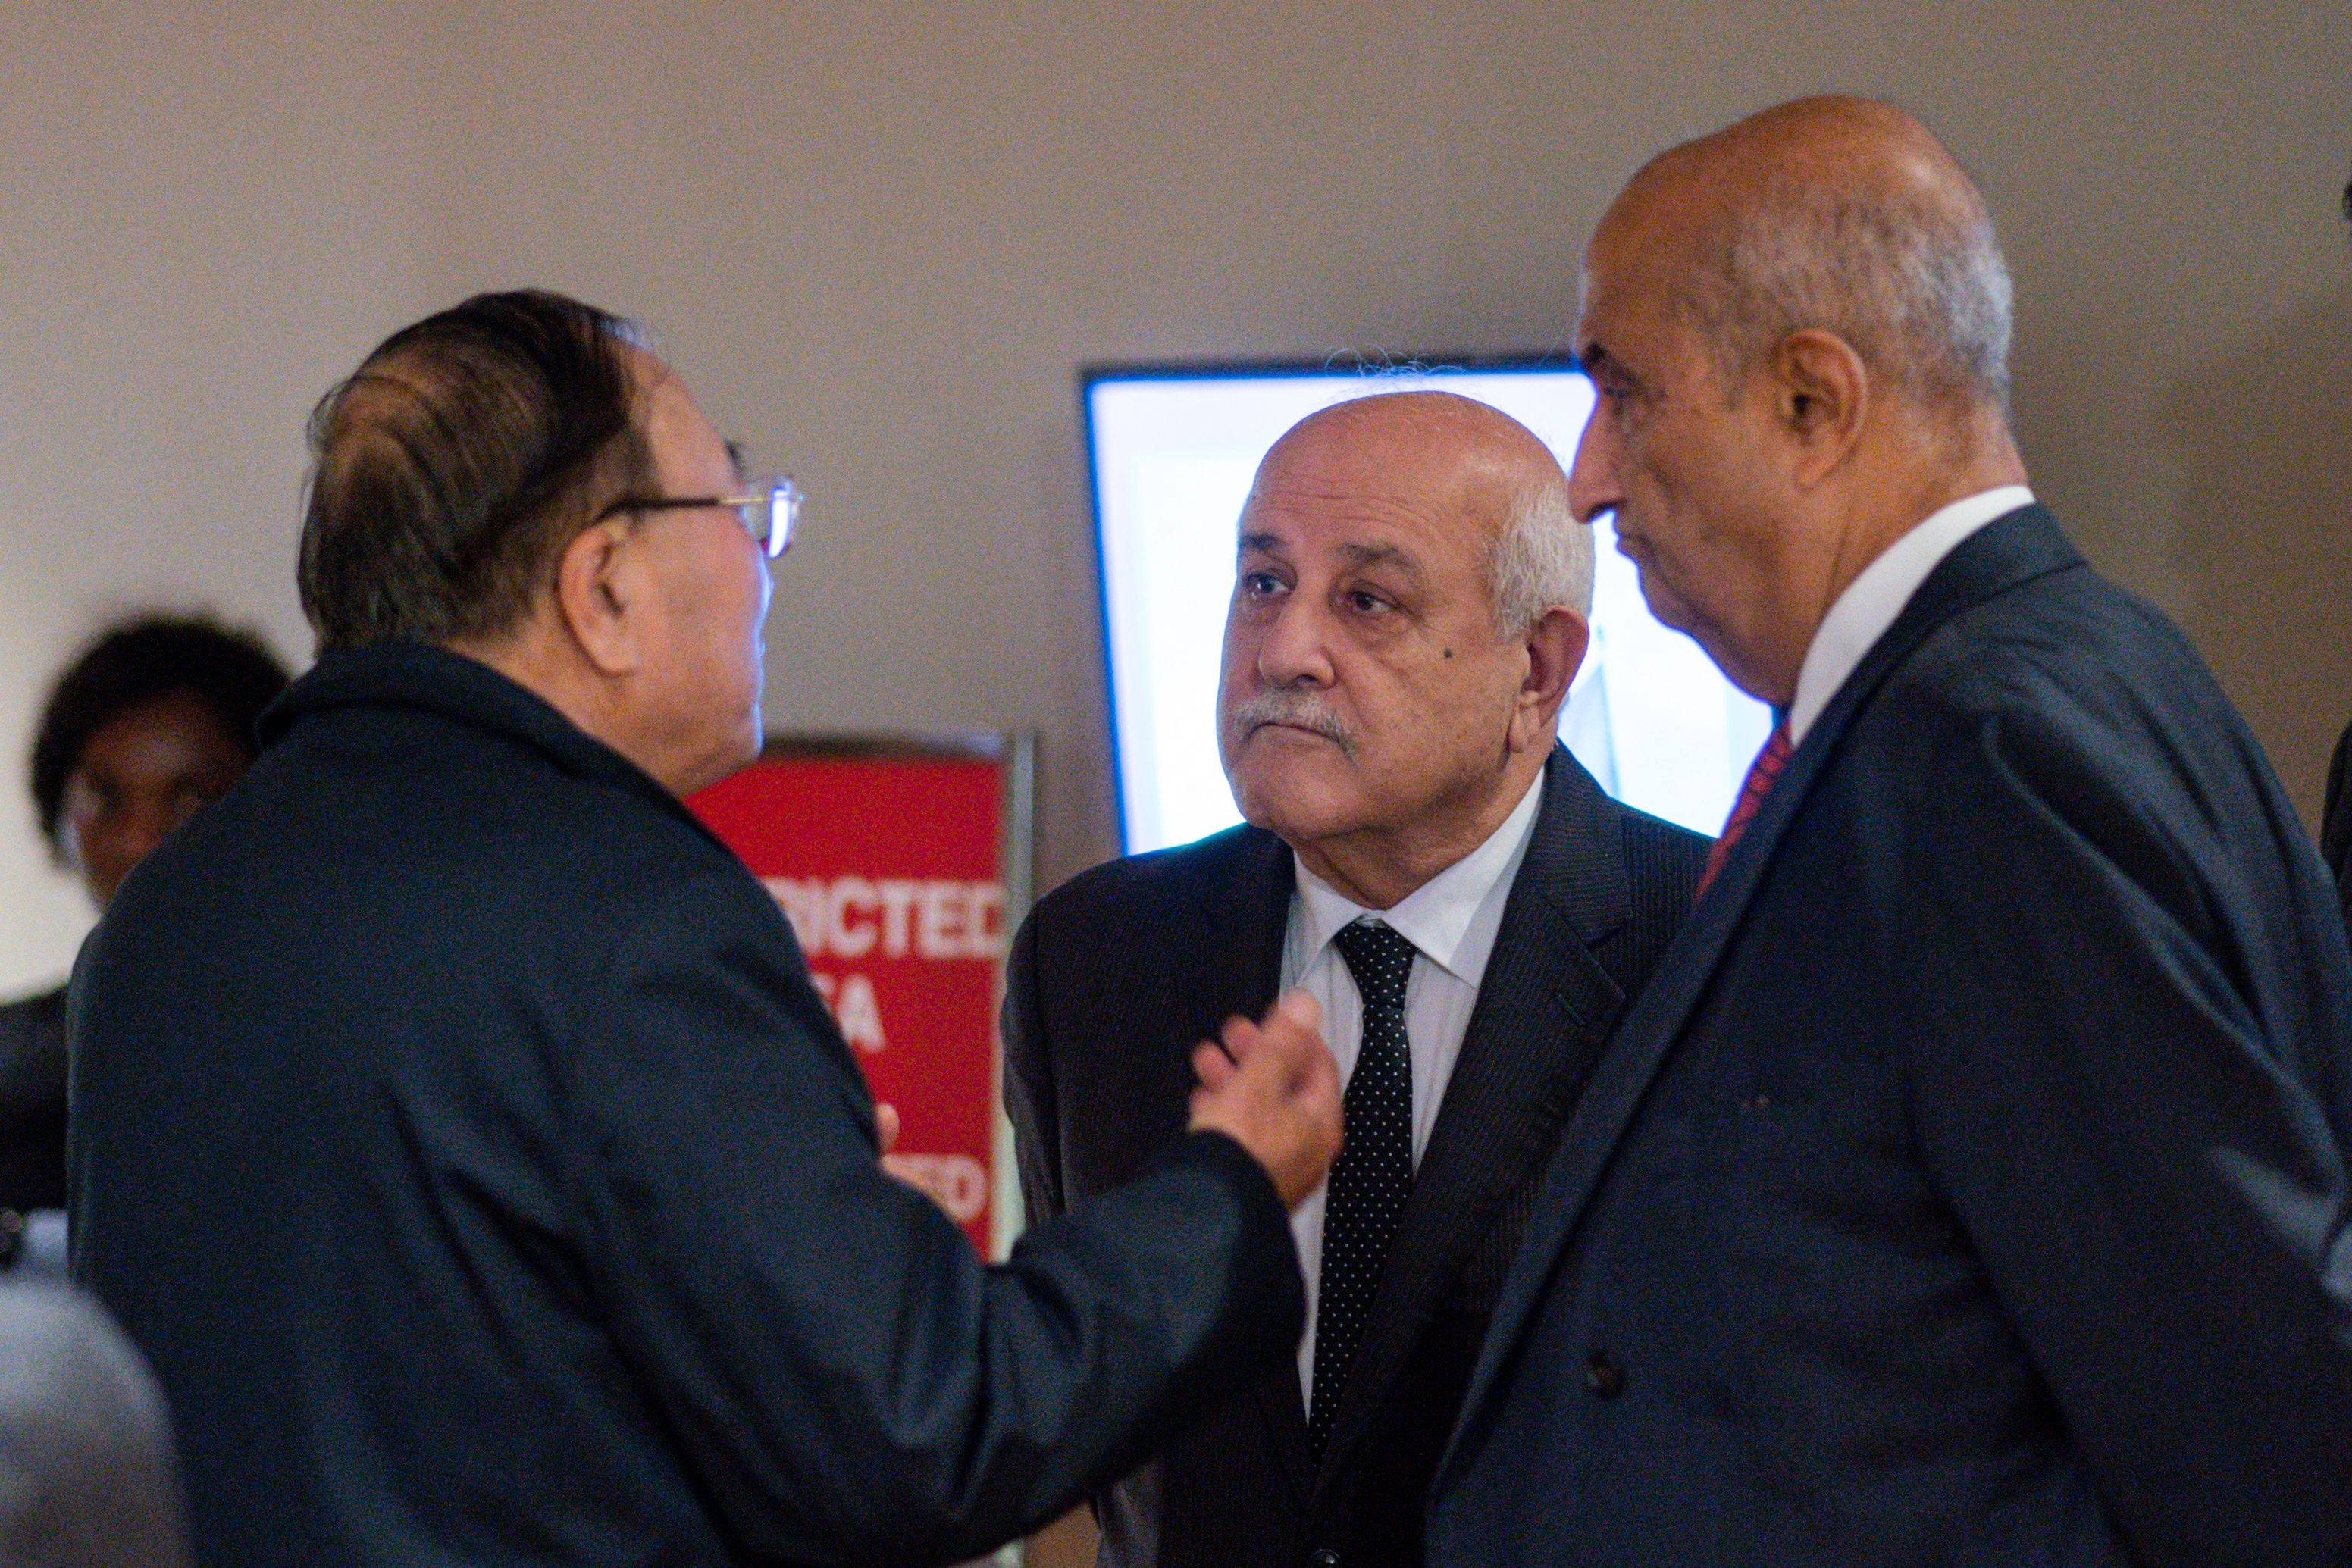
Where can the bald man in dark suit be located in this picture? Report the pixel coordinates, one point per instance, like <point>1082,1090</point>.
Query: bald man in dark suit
<point>1467,905</point>
<point>1969,1184</point>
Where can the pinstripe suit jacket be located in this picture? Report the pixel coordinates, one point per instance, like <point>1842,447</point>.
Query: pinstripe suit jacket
<point>1116,977</point>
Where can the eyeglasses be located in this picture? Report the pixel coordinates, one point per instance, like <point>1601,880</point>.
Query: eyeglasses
<point>767,509</point>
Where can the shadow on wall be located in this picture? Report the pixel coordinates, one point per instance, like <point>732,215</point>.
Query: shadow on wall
<point>2262,440</point>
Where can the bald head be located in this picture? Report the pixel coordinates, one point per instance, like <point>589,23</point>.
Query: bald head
<point>1840,215</point>
<point>1409,608</point>
<point>1460,459</point>
<point>1798,332</point>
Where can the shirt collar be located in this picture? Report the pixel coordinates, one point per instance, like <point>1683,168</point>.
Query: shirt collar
<point>1437,916</point>
<point>1872,601</point>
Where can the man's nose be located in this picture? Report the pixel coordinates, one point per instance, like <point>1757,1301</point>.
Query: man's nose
<point>1593,483</point>
<point>1296,649</point>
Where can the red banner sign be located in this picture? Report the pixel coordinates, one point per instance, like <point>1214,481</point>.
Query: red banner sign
<point>890,867</point>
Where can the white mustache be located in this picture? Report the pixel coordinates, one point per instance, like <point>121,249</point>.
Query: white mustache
<point>1299,709</point>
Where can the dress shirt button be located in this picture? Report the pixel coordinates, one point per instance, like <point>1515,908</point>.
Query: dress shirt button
<point>1326,1558</point>
<point>1603,1376</point>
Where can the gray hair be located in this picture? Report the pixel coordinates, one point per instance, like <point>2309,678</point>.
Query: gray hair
<point>1542,561</point>
<point>1920,290</point>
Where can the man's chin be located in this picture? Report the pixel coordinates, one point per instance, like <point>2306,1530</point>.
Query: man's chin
<point>1664,604</point>
<point>1292,803</point>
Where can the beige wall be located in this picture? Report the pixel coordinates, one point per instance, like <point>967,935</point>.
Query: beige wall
<point>878,239</point>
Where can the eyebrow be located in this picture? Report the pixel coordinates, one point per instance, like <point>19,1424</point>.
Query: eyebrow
<point>1381,555</point>
<point>1355,555</point>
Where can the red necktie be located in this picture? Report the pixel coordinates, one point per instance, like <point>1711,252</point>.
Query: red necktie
<point>1762,774</point>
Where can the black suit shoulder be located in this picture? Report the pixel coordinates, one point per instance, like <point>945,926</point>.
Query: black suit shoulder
<point>497,836</point>
<point>33,1102</point>
<point>2079,694</point>
<point>2335,826</point>
<point>1148,887</point>
<point>1662,863</point>
<point>2066,646</point>
<point>1105,996</point>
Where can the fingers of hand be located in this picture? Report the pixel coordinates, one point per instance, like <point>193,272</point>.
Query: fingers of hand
<point>1300,1007</point>
<point>1241,1038</point>
<point>1212,1066</point>
<point>886,1125</point>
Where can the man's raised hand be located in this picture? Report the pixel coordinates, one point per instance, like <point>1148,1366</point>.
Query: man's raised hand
<point>1273,1088</point>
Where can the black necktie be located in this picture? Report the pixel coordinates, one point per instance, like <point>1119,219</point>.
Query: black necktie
<point>1373,1175</point>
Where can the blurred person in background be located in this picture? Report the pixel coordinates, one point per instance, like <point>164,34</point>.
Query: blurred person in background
<point>455,1124</point>
<point>153,722</point>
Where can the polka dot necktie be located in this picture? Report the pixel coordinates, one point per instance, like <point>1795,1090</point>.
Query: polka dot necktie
<point>1373,1175</point>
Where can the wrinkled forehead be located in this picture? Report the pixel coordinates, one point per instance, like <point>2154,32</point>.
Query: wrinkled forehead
<point>1360,492</point>
<point>1651,241</point>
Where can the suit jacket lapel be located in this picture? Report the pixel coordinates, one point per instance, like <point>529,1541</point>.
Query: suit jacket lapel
<point>1533,1036</point>
<point>1247,928</point>
<point>1247,916</point>
<point>2022,545</point>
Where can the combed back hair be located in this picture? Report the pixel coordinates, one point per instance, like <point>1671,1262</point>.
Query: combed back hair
<point>455,463</point>
<point>230,670</point>
<point>1918,289</point>
<point>1542,560</point>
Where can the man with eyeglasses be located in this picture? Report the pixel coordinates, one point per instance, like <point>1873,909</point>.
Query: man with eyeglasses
<point>454,1126</point>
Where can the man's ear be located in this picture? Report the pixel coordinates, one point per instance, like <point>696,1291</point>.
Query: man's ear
<point>1822,393</point>
<point>1555,647</point>
<point>594,592</point>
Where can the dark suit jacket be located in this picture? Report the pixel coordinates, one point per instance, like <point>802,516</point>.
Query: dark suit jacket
<point>1968,1184</point>
<point>85,1473</point>
<point>2336,828</point>
<point>1115,979</point>
<point>457,1131</point>
<point>33,1102</point>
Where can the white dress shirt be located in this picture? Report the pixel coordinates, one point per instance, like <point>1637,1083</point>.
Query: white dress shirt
<point>1872,601</point>
<point>1452,920</point>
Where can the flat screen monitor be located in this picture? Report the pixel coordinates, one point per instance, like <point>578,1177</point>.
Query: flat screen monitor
<point>1173,450</point>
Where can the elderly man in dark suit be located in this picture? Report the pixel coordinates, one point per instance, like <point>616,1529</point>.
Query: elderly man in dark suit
<point>1409,610</point>
<point>1968,1186</point>
<point>455,1126</point>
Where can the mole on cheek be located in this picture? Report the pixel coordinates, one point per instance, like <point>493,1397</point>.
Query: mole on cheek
<point>1449,653</point>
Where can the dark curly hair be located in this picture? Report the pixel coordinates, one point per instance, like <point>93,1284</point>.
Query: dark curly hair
<point>466,451</point>
<point>232,670</point>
